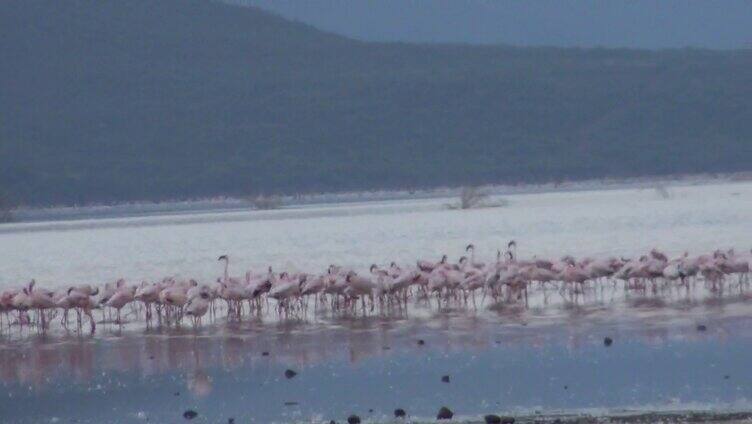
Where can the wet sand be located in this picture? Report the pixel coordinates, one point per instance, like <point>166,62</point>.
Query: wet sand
<point>628,417</point>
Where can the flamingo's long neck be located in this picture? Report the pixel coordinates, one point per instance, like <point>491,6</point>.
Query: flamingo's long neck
<point>227,264</point>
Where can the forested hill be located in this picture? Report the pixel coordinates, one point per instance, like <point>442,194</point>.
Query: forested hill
<point>108,100</point>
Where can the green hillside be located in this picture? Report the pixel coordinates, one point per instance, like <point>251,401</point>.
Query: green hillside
<point>110,100</point>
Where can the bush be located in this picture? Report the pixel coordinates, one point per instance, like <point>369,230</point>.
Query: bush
<point>662,191</point>
<point>266,202</point>
<point>6,209</point>
<point>474,197</point>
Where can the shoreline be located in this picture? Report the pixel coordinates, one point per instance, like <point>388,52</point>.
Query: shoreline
<point>628,417</point>
<point>230,204</point>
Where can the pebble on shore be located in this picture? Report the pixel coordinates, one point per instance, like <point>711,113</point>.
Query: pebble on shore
<point>353,419</point>
<point>444,414</point>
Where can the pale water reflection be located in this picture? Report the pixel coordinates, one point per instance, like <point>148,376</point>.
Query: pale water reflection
<point>370,366</point>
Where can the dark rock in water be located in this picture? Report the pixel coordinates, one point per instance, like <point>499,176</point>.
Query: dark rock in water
<point>444,414</point>
<point>291,403</point>
<point>386,347</point>
<point>566,387</point>
<point>399,413</point>
<point>495,419</point>
<point>151,357</point>
<point>290,374</point>
<point>190,414</point>
<point>445,379</point>
<point>421,342</point>
<point>332,422</point>
<point>701,328</point>
<point>370,411</point>
<point>264,353</point>
<point>353,419</point>
<point>177,393</point>
<point>231,421</point>
<point>608,341</point>
<point>726,377</point>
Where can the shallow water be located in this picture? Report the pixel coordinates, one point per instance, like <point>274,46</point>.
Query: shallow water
<point>614,222</point>
<point>372,364</point>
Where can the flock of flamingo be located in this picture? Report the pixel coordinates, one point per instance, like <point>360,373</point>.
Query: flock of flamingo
<point>507,279</point>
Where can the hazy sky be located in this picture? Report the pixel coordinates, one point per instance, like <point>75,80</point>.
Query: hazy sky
<point>586,23</point>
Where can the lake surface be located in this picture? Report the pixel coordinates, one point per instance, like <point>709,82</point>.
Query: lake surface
<point>369,367</point>
<point>513,360</point>
<point>615,222</point>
